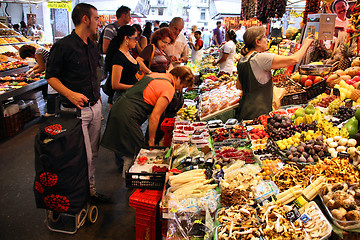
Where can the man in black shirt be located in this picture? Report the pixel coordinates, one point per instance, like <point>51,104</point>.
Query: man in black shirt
<point>71,70</point>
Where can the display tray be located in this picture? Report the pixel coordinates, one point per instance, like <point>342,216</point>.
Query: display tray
<point>14,71</point>
<point>315,70</point>
<point>207,117</point>
<point>344,225</point>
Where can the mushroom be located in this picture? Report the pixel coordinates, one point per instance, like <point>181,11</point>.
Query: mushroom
<point>338,213</point>
<point>349,203</point>
<point>353,215</point>
<point>339,186</point>
<point>330,204</point>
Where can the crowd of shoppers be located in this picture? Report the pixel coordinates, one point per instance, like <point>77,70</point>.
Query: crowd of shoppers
<point>158,52</point>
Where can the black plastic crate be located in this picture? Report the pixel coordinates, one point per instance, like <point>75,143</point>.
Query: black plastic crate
<point>145,180</point>
<point>315,89</point>
<point>294,99</point>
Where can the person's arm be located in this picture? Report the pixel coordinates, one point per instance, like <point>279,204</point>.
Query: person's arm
<point>191,45</point>
<point>40,63</point>
<point>76,98</point>
<point>185,54</point>
<point>116,77</point>
<point>142,43</point>
<point>160,106</point>
<point>143,67</point>
<point>105,45</point>
<point>215,39</point>
<point>222,59</point>
<point>287,61</point>
<point>238,84</point>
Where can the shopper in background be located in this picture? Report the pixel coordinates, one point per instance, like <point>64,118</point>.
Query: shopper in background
<point>40,33</point>
<point>196,48</point>
<point>164,24</point>
<point>23,28</point>
<point>179,51</point>
<point>206,37</point>
<point>147,31</point>
<point>41,56</point>
<point>31,31</point>
<point>254,72</point>
<point>147,98</point>
<point>156,25</point>
<point>71,70</point>
<point>340,7</point>
<point>123,17</point>
<point>218,37</point>
<point>141,42</point>
<point>110,31</point>
<point>191,37</point>
<point>122,68</point>
<point>17,28</point>
<point>227,53</point>
<point>160,62</point>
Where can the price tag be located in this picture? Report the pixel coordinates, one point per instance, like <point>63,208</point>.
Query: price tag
<point>343,155</point>
<point>293,215</point>
<point>305,218</point>
<point>336,92</point>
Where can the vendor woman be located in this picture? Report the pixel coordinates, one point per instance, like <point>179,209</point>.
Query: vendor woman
<point>148,97</point>
<point>254,72</point>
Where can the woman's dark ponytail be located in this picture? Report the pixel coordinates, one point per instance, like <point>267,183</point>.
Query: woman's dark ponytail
<point>115,43</point>
<point>232,35</point>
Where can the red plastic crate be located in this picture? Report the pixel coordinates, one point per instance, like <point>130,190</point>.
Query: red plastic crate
<point>167,124</point>
<point>146,204</point>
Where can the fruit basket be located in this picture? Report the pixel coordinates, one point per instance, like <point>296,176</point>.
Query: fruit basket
<point>317,70</point>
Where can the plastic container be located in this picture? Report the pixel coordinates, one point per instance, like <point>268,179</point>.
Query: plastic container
<point>147,218</point>
<point>189,130</point>
<point>345,225</point>
<point>311,212</point>
<point>199,125</point>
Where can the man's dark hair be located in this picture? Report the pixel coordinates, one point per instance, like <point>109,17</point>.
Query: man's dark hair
<point>157,22</point>
<point>122,10</point>
<point>80,10</point>
<point>218,22</point>
<point>198,32</point>
<point>16,26</point>
<point>164,24</point>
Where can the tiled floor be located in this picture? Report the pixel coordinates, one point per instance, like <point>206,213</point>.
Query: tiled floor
<point>19,217</point>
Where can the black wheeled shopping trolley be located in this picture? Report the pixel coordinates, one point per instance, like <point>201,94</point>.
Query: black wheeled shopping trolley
<point>61,183</point>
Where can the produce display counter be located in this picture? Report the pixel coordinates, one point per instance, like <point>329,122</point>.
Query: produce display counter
<point>39,85</point>
<point>224,114</point>
<point>292,164</point>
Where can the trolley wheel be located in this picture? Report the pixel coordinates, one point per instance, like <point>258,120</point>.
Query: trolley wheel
<point>81,218</point>
<point>93,214</point>
<point>53,216</point>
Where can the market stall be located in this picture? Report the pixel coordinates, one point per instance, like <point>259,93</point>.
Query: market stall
<point>15,86</point>
<point>292,173</point>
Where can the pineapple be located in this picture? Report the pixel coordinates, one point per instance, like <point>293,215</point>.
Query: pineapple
<point>355,95</point>
<point>345,62</point>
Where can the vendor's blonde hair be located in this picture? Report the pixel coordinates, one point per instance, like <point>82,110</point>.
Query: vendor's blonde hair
<point>250,36</point>
<point>185,74</point>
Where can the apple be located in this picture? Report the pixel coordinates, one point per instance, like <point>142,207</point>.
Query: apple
<point>308,83</point>
<point>303,79</point>
<point>317,79</point>
<point>312,77</point>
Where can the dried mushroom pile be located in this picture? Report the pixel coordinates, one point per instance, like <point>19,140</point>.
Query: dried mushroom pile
<point>290,86</point>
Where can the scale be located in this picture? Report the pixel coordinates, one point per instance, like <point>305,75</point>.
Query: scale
<point>321,26</point>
